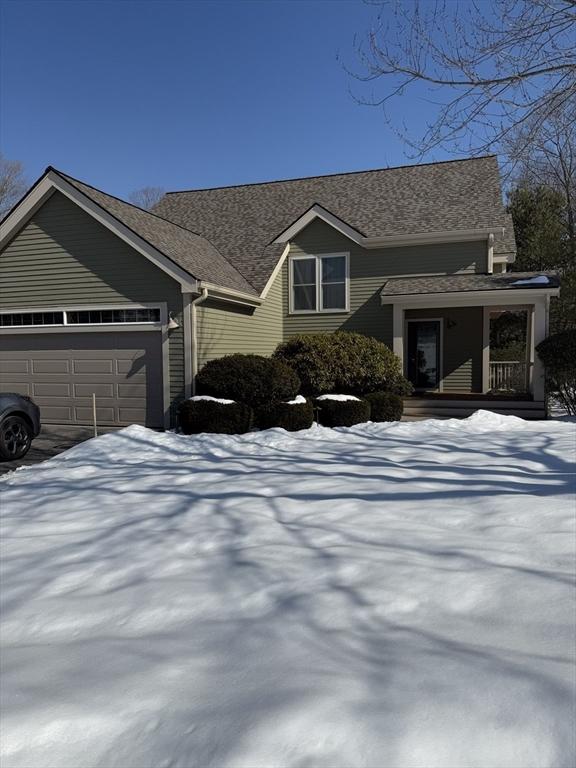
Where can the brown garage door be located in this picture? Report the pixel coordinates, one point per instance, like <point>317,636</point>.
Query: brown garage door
<point>60,371</point>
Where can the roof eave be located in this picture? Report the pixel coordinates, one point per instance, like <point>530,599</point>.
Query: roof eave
<point>487,295</point>
<point>230,295</point>
<point>317,211</point>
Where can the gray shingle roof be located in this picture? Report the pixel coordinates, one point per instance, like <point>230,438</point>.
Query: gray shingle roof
<point>242,221</point>
<point>194,253</point>
<point>409,286</point>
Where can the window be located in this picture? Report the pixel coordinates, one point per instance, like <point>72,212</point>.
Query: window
<point>104,316</point>
<point>80,317</point>
<point>319,283</point>
<point>22,319</point>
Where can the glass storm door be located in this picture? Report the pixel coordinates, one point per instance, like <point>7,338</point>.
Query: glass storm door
<point>424,353</point>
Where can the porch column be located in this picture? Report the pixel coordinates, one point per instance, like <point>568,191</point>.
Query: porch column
<point>486,351</point>
<point>398,332</point>
<point>539,326</point>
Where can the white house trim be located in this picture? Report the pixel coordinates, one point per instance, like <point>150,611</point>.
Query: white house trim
<point>230,295</point>
<point>275,272</point>
<point>490,254</point>
<point>318,212</point>
<point>319,309</point>
<point>469,298</point>
<point>426,238</point>
<point>52,182</point>
<point>391,241</point>
<point>187,333</point>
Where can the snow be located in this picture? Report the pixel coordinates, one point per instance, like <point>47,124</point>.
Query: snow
<point>198,398</point>
<point>298,400</point>
<point>337,397</point>
<point>537,280</point>
<point>395,595</point>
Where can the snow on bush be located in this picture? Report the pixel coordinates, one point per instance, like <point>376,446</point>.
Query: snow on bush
<point>208,398</point>
<point>298,400</point>
<point>394,595</point>
<point>340,398</point>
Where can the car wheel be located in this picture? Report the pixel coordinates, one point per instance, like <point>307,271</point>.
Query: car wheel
<point>15,437</point>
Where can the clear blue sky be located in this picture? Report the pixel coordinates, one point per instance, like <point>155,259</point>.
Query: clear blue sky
<point>188,94</point>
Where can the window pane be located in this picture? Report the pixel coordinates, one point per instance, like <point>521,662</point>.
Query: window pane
<point>304,297</point>
<point>304,271</point>
<point>333,269</point>
<point>334,296</point>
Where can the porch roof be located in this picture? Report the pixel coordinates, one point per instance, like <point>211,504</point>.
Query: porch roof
<point>507,281</point>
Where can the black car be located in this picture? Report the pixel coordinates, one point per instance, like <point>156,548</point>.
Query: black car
<point>19,425</point>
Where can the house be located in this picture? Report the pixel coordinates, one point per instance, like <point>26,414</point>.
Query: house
<point>99,296</point>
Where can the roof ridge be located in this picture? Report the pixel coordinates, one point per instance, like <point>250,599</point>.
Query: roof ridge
<point>155,215</point>
<point>331,175</point>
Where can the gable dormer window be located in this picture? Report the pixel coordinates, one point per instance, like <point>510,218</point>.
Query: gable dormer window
<point>319,283</point>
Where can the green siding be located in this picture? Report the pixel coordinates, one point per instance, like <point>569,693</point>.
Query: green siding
<point>63,256</point>
<point>369,269</point>
<point>462,346</point>
<point>224,329</point>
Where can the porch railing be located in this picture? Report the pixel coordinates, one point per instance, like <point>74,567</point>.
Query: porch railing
<point>509,376</point>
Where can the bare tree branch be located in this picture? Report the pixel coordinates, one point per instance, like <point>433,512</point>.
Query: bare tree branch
<point>147,197</point>
<point>12,184</point>
<point>485,68</point>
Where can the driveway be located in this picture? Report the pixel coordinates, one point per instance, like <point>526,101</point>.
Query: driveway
<point>51,441</point>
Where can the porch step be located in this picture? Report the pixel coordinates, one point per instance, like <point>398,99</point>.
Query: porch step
<point>421,408</point>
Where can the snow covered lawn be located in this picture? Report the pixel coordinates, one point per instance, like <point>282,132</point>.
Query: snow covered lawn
<point>392,596</point>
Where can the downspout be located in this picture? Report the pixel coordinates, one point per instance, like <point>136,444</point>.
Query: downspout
<point>490,254</point>
<point>194,340</point>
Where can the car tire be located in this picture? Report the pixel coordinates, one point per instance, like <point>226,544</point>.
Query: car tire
<point>15,437</point>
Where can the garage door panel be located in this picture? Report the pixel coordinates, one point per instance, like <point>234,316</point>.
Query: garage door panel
<point>131,415</point>
<point>56,414</point>
<point>131,390</point>
<point>100,389</point>
<point>62,371</point>
<point>50,366</point>
<point>52,389</point>
<point>94,366</point>
<point>15,366</point>
<point>133,367</point>
<point>13,384</point>
<point>105,414</point>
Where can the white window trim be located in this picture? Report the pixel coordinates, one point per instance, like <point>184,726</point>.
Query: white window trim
<point>439,320</point>
<point>138,324</point>
<point>319,310</point>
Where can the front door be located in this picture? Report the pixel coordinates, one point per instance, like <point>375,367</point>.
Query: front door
<point>424,354</point>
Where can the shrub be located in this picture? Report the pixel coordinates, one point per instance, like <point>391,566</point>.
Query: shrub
<point>196,416</point>
<point>342,413</point>
<point>343,362</point>
<point>558,353</point>
<point>289,417</point>
<point>249,379</point>
<point>385,406</point>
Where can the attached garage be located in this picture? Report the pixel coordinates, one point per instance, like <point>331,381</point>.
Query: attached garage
<point>61,371</point>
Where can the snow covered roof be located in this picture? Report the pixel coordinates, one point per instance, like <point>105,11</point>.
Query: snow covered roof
<point>405,286</point>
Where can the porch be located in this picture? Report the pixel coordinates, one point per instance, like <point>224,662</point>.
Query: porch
<point>465,349</point>
<point>461,405</point>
